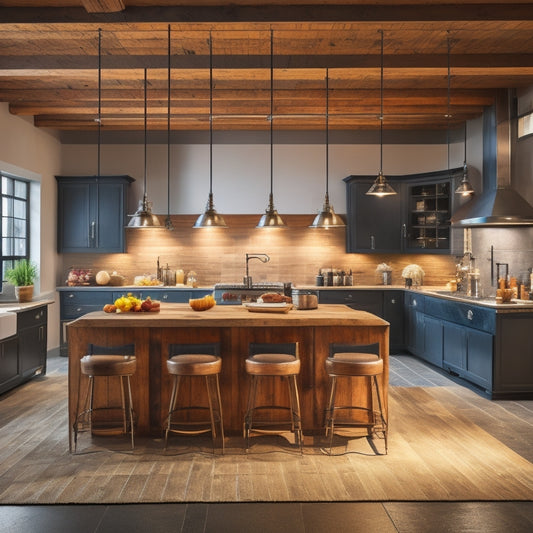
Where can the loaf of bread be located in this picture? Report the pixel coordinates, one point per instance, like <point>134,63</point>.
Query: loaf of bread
<point>275,298</point>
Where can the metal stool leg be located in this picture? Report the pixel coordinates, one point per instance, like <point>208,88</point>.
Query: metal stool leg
<point>384,422</point>
<point>130,400</point>
<point>296,419</point>
<point>172,406</point>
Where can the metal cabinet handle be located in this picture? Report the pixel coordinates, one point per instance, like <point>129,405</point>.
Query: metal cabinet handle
<point>470,314</point>
<point>165,297</point>
<point>414,303</point>
<point>93,230</point>
<point>393,301</point>
<point>78,309</point>
<point>404,231</point>
<point>372,242</point>
<point>71,295</point>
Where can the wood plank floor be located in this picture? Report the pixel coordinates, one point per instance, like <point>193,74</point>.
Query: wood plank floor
<point>447,442</point>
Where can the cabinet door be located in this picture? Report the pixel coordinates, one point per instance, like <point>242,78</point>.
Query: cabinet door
<point>110,220</point>
<point>414,322</point>
<point>76,223</point>
<point>393,312</point>
<point>371,301</point>
<point>32,341</point>
<point>374,223</point>
<point>479,357</point>
<point>8,364</point>
<point>433,333</point>
<point>454,347</point>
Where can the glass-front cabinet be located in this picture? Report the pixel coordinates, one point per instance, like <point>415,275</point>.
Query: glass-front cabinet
<point>428,225</point>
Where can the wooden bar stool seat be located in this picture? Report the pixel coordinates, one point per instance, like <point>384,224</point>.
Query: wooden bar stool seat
<point>192,361</point>
<point>355,361</point>
<point>270,361</point>
<point>109,362</point>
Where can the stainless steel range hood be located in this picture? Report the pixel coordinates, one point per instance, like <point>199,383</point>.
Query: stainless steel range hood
<point>499,205</point>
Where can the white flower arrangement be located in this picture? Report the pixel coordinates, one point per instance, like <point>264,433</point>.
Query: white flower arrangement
<point>415,273</point>
<point>383,267</point>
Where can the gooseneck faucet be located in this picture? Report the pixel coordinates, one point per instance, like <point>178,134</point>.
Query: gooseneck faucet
<point>264,258</point>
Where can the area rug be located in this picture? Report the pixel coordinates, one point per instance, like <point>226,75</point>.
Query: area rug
<point>434,455</point>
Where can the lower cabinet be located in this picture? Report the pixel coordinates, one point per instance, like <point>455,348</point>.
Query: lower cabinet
<point>468,353</point>
<point>31,330</point>
<point>9,364</point>
<point>23,355</point>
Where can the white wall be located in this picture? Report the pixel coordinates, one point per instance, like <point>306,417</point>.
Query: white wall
<point>35,154</point>
<point>241,172</point>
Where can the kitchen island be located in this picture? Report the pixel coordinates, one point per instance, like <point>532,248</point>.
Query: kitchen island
<point>234,327</point>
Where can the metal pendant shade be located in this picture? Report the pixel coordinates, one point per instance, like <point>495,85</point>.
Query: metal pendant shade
<point>327,218</point>
<point>143,217</point>
<point>381,187</point>
<point>210,218</point>
<point>271,218</point>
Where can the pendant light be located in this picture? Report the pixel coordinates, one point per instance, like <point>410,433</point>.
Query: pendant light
<point>381,187</point>
<point>143,217</point>
<point>327,218</point>
<point>271,218</point>
<point>210,218</point>
<point>465,187</point>
<point>168,221</point>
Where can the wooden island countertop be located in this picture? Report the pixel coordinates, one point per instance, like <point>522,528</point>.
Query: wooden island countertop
<point>234,327</point>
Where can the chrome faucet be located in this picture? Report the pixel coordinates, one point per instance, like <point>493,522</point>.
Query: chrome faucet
<point>247,280</point>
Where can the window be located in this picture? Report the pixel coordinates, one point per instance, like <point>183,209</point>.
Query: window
<point>15,222</point>
<point>525,125</point>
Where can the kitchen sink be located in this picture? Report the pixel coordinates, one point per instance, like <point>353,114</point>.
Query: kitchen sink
<point>8,324</point>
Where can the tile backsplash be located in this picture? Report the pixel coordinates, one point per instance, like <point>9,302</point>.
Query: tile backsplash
<point>296,253</point>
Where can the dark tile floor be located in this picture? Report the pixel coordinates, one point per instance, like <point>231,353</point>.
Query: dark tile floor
<point>383,517</point>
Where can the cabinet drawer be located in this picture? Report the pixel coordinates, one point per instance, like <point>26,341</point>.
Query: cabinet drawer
<point>85,297</point>
<point>349,297</point>
<point>415,300</point>
<point>32,317</point>
<point>461,313</point>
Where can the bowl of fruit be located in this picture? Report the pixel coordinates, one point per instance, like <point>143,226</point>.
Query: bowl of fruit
<point>202,304</point>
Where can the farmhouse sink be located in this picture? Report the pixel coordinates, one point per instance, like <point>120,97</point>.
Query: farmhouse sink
<point>8,324</point>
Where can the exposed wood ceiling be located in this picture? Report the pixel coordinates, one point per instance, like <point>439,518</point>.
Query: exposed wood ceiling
<point>49,62</point>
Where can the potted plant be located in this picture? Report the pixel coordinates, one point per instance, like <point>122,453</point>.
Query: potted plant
<point>22,276</point>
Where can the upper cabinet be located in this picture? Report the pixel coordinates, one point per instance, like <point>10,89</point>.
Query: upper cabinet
<point>415,220</point>
<point>92,213</point>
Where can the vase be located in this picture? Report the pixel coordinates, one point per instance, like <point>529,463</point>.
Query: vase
<point>24,293</point>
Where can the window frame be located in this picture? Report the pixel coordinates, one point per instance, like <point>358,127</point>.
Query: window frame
<point>7,261</point>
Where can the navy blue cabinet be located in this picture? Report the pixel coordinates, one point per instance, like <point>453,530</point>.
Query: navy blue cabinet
<point>92,213</point>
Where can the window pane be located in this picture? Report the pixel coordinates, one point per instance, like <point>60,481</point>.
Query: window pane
<point>20,247</point>
<point>7,207</point>
<point>19,208</point>
<point>7,246</point>
<point>19,228</point>
<point>7,185</point>
<point>21,189</point>
<point>7,226</point>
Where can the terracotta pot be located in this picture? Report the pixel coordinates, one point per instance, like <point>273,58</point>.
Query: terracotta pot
<point>24,293</point>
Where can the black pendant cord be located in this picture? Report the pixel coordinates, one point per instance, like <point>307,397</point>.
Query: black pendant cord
<point>210,115</point>
<point>168,223</point>
<point>145,129</point>
<point>381,117</point>
<point>271,113</point>
<point>99,119</point>
<point>327,132</point>
<point>448,110</point>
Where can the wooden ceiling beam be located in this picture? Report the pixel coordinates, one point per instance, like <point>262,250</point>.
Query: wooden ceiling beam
<point>326,12</point>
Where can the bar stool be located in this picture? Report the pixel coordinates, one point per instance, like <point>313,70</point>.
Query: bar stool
<point>352,361</point>
<point>191,361</point>
<point>271,360</point>
<point>107,361</point>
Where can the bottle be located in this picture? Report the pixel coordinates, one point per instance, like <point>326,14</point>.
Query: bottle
<point>319,280</point>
